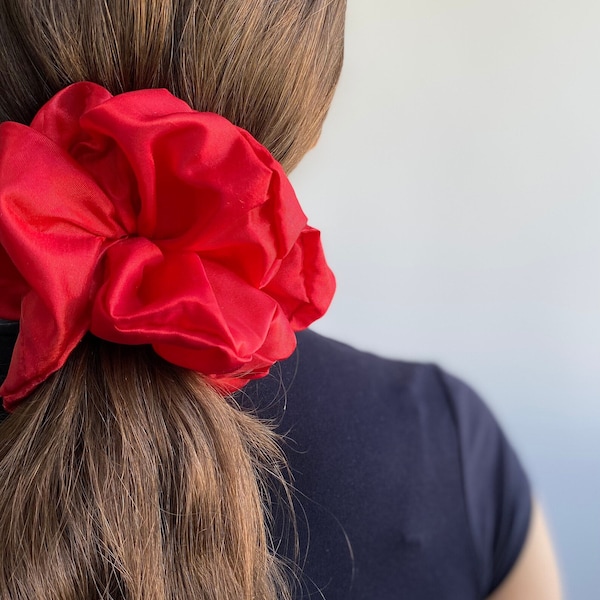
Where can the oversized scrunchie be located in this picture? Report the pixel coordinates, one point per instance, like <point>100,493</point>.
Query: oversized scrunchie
<point>142,221</point>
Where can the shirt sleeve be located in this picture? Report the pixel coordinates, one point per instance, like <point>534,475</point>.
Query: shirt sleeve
<point>496,489</point>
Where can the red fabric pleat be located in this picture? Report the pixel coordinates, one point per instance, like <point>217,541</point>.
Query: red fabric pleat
<point>143,221</point>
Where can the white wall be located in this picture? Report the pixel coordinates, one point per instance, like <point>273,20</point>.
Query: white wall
<point>457,185</point>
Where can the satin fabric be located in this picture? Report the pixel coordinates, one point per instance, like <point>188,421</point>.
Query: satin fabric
<point>142,221</point>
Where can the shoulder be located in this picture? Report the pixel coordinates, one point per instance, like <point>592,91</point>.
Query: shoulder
<point>401,466</point>
<point>331,392</point>
<point>337,377</point>
<point>342,387</point>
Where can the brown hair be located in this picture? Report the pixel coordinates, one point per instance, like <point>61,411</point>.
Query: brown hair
<point>124,477</point>
<point>269,66</point>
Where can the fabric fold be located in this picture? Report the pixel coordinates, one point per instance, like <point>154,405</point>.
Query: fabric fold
<point>142,221</point>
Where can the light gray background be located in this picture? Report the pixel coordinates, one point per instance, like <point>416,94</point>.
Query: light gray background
<point>457,185</point>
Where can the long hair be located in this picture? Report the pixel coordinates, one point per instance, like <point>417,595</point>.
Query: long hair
<point>125,477</point>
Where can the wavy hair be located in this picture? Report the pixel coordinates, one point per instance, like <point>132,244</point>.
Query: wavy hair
<point>125,477</point>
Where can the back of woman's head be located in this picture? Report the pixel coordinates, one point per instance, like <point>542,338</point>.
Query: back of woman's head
<point>269,66</point>
<point>124,476</point>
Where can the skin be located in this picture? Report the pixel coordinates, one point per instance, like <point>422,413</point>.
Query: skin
<point>535,575</point>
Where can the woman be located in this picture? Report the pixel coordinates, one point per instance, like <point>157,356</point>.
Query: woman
<point>125,474</point>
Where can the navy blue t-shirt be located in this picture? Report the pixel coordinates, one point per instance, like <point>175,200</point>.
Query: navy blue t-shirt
<point>405,486</point>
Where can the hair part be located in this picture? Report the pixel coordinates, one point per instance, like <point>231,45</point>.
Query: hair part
<point>269,66</point>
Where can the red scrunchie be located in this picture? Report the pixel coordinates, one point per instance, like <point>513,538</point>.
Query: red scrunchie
<point>143,221</point>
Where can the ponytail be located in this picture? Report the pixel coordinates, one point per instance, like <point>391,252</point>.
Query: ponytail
<point>126,477</point>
